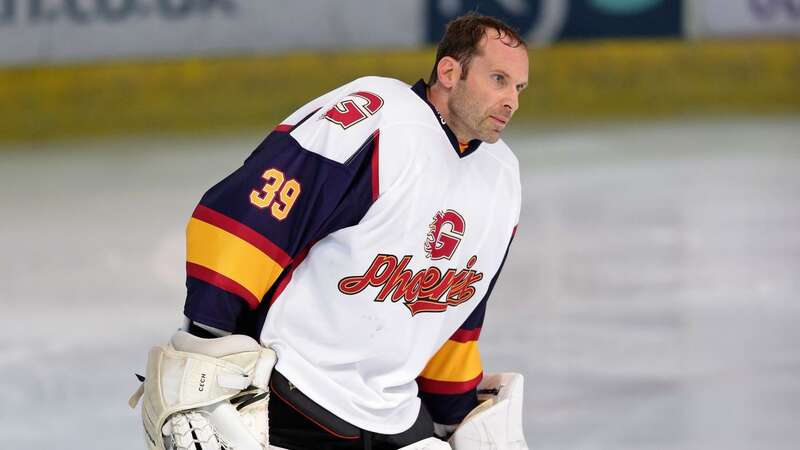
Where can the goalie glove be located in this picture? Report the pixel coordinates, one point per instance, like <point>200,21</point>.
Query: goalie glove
<point>208,394</point>
<point>496,423</point>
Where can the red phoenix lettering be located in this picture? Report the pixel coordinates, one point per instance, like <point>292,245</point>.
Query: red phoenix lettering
<point>421,291</point>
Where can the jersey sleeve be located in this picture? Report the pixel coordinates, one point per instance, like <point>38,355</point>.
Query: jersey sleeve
<point>448,384</point>
<point>249,230</point>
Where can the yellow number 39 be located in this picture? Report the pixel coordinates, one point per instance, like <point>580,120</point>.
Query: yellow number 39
<point>287,193</point>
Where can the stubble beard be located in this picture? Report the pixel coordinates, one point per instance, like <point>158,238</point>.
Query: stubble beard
<point>467,115</point>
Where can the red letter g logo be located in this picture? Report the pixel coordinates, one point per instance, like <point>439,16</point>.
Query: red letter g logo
<point>444,234</point>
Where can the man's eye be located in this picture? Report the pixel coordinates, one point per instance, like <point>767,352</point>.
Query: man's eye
<point>498,78</point>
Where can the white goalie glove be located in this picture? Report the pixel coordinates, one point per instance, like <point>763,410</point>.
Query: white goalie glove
<point>208,394</point>
<point>496,423</point>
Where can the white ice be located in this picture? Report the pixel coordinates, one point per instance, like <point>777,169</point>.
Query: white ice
<point>650,297</point>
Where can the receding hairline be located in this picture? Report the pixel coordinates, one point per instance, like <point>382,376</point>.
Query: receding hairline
<point>503,36</point>
<point>477,26</point>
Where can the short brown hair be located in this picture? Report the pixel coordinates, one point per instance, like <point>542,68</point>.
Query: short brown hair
<point>462,36</point>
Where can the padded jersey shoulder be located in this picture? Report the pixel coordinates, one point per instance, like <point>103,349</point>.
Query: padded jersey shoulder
<point>348,117</point>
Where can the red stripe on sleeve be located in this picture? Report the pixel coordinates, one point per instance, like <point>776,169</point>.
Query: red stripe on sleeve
<point>447,387</point>
<point>244,232</point>
<point>462,335</point>
<point>222,282</point>
<point>284,128</point>
<point>375,171</point>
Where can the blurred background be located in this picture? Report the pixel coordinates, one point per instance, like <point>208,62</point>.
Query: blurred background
<point>650,297</point>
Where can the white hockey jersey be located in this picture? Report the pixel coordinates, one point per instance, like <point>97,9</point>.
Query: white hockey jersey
<point>371,239</point>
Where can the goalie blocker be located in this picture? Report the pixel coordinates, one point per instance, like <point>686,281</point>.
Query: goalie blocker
<point>213,394</point>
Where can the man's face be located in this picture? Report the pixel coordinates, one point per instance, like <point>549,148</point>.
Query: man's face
<point>481,105</point>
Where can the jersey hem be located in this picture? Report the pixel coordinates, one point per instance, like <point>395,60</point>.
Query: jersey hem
<point>295,376</point>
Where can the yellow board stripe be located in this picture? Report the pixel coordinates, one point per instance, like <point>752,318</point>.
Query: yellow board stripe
<point>455,361</point>
<point>231,256</point>
<point>584,80</point>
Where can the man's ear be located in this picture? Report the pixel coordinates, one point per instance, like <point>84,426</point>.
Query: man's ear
<point>448,72</point>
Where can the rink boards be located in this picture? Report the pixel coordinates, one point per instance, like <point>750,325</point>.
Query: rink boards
<point>569,81</point>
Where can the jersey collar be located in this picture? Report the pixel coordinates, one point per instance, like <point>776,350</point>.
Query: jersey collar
<point>420,88</point>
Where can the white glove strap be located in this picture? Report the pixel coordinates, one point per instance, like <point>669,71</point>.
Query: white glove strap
<point>190,380</point>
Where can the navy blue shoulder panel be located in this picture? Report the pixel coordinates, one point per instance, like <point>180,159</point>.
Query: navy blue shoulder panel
<point>324,184</point>
<point>332,196</point>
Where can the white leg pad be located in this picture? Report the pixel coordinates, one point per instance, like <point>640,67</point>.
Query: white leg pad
<point>496,424</point>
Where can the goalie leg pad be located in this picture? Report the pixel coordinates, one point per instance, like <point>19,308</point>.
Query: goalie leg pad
<point>201,376</point>
<point>496,423</point>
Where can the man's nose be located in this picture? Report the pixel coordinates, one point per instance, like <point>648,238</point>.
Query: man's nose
<point>512,101</point>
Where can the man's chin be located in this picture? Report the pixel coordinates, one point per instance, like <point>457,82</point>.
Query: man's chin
<point>491,137</point>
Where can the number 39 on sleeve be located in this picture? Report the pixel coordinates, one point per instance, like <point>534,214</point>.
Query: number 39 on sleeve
<point>277,194</point>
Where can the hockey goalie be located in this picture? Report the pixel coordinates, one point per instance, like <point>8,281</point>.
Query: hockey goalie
<point>337,281</point>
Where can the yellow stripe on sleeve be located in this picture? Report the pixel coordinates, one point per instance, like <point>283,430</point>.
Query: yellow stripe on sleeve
<point>231,256</point>
<point>455,361</point>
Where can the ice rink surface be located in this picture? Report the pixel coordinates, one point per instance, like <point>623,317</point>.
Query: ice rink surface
<point>651,297</point>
